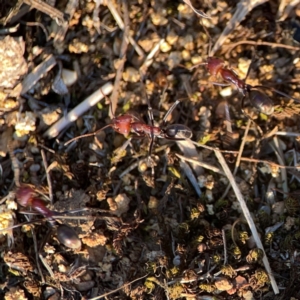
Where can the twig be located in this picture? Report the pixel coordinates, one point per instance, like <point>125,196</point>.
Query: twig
<point>121,25</point>
<point>196,11</point>
<point>48,176</point>
<point>73,115</point>
<point>62,30</point>
<point>238,160</point>
<point>46,9</point>
<point>124,45</point>
<point>200,163</point>
<point>279,154</point>
<point>120,288</point>
<point>37,73</point>
<point>287,133</point>
<point>229,47</point>
<point>225,246</point>
<point>248,217</point>
<point>41,25</point>
<point>148,60</point>
<point>15,164</point>
<point>254,160</point>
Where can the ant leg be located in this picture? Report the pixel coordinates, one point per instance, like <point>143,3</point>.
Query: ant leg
<point>250,66</point>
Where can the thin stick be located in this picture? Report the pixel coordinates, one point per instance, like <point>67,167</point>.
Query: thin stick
<point>248,217</point>
<point>47,176</point>
<point>201,164</point>
<point>229,47</point>
<point>254,160</point>
<point>73,115</point>
<point>120,288</point>
<point>238,160</point>
<point>225,246</point>
<point>121,25</point>
<point>196,11</point>
<point>46,8</point>
<point>280,156</point>
<point>36,250</point>
<point>15,164</point>
<point>122,60</point>
<point>37,73</point>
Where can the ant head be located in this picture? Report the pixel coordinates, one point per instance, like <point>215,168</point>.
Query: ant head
<point>24,195</point>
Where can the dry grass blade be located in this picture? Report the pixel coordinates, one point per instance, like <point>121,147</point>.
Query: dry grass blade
<point>243,8</point>
<point>201,164</point>
<point>238,160</point>
<point>196,11</point>
<point>248,217</point>
<point>279,154</point>
<point>37,73</point>
<point>189,151</point>
<point>122,60</point>
<point>121,25</point>
<point>61,32</point>
<point>46,9</point>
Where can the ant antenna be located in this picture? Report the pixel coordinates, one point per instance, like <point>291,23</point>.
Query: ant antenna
<point>96,132</point>
<point>87,134</point>
<point>209,37</point>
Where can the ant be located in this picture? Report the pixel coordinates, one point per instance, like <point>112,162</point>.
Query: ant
<point>128,123</point>
<point>66,235</point>
<point>259,99</point>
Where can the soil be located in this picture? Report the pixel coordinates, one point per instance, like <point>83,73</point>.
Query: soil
<point>139,210</point>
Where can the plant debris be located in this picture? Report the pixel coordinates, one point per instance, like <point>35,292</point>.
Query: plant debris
<point>189,190</point>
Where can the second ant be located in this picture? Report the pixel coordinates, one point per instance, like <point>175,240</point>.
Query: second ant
<point>128,123</point>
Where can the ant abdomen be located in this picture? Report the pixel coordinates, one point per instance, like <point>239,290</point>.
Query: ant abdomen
<point>68,237</point>
<point>261,101</point>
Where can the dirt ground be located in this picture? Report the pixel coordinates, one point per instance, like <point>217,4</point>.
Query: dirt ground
<point>201,203</point>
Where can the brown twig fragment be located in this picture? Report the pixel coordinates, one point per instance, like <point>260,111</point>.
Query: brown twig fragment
<point>37,73</point>
<point>46,9</point>
<point>122,60</point>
